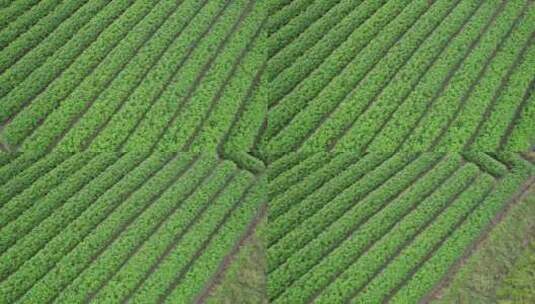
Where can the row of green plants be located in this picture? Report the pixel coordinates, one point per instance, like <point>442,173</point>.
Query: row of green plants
<point>333,271</point>
<point>414,105</point>
<point>292,121</point>
<point>55,111</point>
<point>381,106</point>
<point>18,18</point>
<point>25,77</point>
<point>394,53</point>
<point>339,19</point>
<point>326,229</point>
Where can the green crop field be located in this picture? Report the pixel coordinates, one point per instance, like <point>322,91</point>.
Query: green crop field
<point>379,228</point>
<point>408,75</point>
<point>110,227</point>
<point>122,75</point>
<point>281,151</point>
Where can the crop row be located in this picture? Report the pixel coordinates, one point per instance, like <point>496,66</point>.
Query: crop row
<point>119,88</point>
<point>318,187</point>
<point>343,69</point>
<point>297,25</point>
<point>351,36</point>
<point>469,74</point>
<point>108,223</point>
<point>79,73</point>
<point>383,105</point>
<point>44,39</point>
<point>430,218</point>
<point>240,50</point>
<point>357,98</point>
<point>494,131</point>
<point>380,244</point>
<point>24,18</point>
<point>286,13</point>
<point>118,235</point>
<point>16,184</point>
<point>508,56</point>
<point>331,268</point>
<point>337,20</point>
<point>434,80</point>
<point>326,229</point>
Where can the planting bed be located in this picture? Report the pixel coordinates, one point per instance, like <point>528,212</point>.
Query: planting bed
<point>409,75</point>
<point>378,228</point>
<point>123,75</point>
<point>110,228</point>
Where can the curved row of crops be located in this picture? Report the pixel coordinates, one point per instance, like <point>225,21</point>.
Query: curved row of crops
<point>109,227</point>
<point>379,227</point>
<point>123,75</point>
<point>409,75</point>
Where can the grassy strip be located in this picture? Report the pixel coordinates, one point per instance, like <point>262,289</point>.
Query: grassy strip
<point>517,286</point>
<point>24,179</point>
<point>244,279</point>
<point>118,237</point>
<point>303,124</point>
<point>451,249</point>
<point>152,97</point>
<point>79,79</point>
<point>157,41</point>
<point>328,228</point>
<point>461,85</point>
<point>329,273</point>
<point>34,255</point>
<point>432,83</point>
<point>489,88</point>
<point>358,97</point>
<point>483,272</point>
<point>24,22</point>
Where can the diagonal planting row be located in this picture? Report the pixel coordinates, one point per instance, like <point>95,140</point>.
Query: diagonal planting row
<point>379,76</point>
<point>126,75</point>
<point>110,227</point>
<point>378,227</point>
